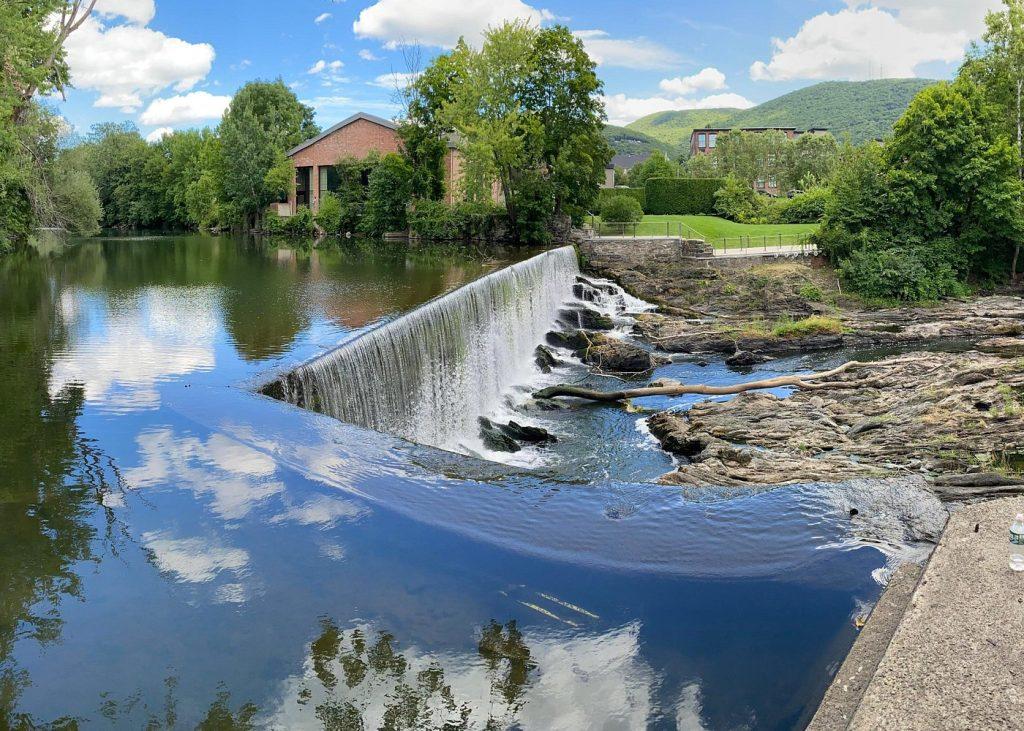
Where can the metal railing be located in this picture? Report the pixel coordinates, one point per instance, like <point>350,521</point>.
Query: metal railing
<point>800,242</point>
<point>644,229</point>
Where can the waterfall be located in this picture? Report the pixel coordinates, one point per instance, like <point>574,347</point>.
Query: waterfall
<point>428,375</point>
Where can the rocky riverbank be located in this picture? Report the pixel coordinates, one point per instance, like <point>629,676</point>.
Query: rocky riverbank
<point>955,418</point>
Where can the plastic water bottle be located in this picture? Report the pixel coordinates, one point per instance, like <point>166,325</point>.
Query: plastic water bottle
<point>1017,543</point>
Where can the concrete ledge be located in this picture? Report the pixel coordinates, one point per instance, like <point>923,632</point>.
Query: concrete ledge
<point>847,689</point>
<point>956,659</point>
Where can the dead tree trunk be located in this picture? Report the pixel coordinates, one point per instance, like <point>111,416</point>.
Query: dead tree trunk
<point>810,381</point>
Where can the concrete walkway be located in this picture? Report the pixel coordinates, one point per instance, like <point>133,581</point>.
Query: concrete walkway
<point>956,655</point>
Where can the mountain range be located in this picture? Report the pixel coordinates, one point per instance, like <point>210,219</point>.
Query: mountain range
<point>860,110</point>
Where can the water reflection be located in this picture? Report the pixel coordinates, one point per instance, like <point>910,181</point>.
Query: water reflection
<point>365,677</point>
<point>54,480</point>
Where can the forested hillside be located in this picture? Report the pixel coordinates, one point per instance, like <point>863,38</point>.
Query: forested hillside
<point>863,110</point>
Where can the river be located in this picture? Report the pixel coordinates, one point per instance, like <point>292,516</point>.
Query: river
<point>177,548</point>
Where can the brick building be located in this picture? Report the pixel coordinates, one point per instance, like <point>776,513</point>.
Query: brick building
<point>356,137</point>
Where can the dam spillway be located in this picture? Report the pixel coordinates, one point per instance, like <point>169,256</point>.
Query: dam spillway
<point>427,376</point>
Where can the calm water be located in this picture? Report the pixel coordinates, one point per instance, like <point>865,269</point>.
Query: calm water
<point>175,549</point>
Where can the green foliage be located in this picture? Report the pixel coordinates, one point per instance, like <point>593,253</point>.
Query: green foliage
<point>938,204</point>
<point>75,196</point>
<point>854,110</point>
<point>424,149</point>
<point>738,202</point>
<point>264,120</point>
<point>388,194</point>
<point>682,196</point>
<point>328,215</point>
<point>527,110</point>
<point>437,221</point>
<point>656,166</point>
<point>639,194</point>
<point>627,141</point>
<point>905,275</point>
<point>813,325</point>
<point>298,225</point>
<point>807,207</point>
<point>621,209</point>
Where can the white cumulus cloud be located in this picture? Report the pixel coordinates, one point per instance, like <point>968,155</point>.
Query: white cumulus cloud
<point>135,11</point>
<point>194,107</point>
<point>367,55</point>
<point>438,23</point>
<point>873,38</point>
<point>707,79</point>
<point>323,17</point>
<point>158,134</point>
<point>126,63</point>
<point>630,53</point>
<point>395,80</point>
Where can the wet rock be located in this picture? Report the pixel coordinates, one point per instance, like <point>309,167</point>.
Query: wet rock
<point>613,355</point>
<point>912,414</point>
<point>744,358</point>
<point>495,438</point>
<point>673,432</point>
<point>586,319</point>
<point>573,340</point>
<point>1003,346</point>
<point>545,359</point>
<point>526,433</point>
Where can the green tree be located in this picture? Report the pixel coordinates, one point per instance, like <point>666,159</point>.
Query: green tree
<point>655,166</point>
<point>526,113</point>
<point>264,120</point>
<point>998,66</point>
<point>389,191</point>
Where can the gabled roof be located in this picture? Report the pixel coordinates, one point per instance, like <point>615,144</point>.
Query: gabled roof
<point>343,123</point>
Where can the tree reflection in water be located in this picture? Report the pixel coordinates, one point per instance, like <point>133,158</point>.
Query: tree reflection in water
<point>54,495</point>
<point>366,682</point>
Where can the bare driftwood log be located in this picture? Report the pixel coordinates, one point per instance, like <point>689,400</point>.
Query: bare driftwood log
<point>810,381</point>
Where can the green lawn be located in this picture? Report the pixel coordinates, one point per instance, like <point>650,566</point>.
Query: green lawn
<point>719,231</point>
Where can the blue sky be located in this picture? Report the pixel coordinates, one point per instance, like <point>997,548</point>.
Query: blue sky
<point>174,64</point>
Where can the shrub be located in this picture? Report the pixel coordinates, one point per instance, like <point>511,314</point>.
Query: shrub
<point>811,293</point>
<point>637,193</point>
<point>437,221</point>
<point>621,209</point>
<point>808,207</point>
<point>434,220</point>
<point>329,216</point>
<point>737,201</point>
<point>905,275</point>
<point>813,325</point>
<point>300,224</point>
<point>387,195</point>
<point>682,196</point>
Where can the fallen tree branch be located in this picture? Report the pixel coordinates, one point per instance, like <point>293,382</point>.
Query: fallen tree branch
<point>682,389</point>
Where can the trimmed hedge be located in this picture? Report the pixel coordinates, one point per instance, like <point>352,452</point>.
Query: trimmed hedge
<point>682,196</point>
<point>605,193</point>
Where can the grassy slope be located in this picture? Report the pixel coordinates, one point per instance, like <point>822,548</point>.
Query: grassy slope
<point>729,233</point>
<point>861,109</point>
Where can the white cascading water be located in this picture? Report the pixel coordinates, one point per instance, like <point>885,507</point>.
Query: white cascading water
<point>428,375</point>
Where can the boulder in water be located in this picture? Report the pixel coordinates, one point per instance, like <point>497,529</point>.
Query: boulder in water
<point>545,359</point>
<point>744,358</point>
<point>575,340</point>
<point>495,438</point>
<point>617,356</point>
<point>526,433</point>
<point>586,318</point>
